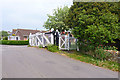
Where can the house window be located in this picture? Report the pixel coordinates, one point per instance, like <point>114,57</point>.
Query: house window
<point>25,37</point>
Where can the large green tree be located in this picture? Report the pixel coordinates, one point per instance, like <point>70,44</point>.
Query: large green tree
<point>56,21</point>
<point>94,22</point>
<point>3,34</point>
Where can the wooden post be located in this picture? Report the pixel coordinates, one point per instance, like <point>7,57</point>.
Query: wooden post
<point>43,39</point>
<point>68,41</point>
<point>59,42</point>
<point>35,40</point>
<point>30,39</point>
<point>77,45</point>
<point>52,38</point>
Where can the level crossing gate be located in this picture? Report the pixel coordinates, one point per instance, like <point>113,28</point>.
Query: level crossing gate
<point>42,39</point>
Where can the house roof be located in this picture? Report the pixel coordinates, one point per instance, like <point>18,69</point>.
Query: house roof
<point>13,31</point>
<point>25,31</point>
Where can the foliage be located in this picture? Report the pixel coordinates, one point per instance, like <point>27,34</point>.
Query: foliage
<point>56,21</point>
<point>102,54</point>
<point>89,59</point>
<point>3,33</point>
<point>110,48</point>
<point>5,38</point>
<point>52,48</point>
<point>94,23</point>
<point>86,48</point>
<point>12,42</point>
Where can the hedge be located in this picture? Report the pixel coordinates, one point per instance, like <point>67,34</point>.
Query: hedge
<point>13,42</point>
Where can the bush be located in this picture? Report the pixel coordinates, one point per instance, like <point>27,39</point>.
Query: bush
<point>86,47</point>
<point>102,54</point>
<point>11,42</point>
<point>97,24</point>
<point>110,48</point>
<point>5,38</point>
<point>52,48</point>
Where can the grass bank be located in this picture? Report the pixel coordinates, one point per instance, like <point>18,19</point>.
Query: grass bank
<point>114,66</point>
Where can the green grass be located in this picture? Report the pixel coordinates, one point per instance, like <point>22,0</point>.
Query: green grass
<point>52,48</point>
<point>89,59</point>
<point>40,46</point>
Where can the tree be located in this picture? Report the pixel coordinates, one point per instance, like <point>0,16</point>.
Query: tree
<point>56,21</point>
<point>3,34</point>
<point>95,22</point>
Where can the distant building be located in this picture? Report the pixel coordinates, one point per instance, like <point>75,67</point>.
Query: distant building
<point>22,34</point>
<point>9,33</point>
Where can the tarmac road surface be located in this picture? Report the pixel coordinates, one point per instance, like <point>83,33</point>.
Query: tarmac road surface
<point>29,62</point>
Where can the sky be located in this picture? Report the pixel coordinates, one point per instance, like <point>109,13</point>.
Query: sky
<point>28,14</point>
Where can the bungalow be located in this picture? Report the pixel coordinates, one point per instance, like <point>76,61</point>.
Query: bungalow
<point>21,34</point>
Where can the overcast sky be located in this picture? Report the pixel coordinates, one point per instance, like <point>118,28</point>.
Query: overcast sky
<point>28,14</point>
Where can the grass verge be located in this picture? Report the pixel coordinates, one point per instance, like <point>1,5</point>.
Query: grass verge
<point>114,66</point>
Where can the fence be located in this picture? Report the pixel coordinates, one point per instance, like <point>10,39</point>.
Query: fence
<point>41,39</point>
<point>67,43</point>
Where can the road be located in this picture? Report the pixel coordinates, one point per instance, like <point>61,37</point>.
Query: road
<point>29,62</point>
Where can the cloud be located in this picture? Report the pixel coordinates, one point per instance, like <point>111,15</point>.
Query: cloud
<point>28,13</point>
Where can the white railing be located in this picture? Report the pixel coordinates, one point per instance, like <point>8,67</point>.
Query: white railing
<point>67,43</point>
<point>41,39</point>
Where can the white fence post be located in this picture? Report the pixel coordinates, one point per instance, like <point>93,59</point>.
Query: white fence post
<point>35,40</point>
<point>59,41</point>
<point>30,39</point>
<point>68,41</point>
<point>77,45</point>
<point>43,40</point>
<point>52,38</point>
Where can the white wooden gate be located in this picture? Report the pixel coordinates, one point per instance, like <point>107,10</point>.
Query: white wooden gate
<point>67,43</point>
<point>41,39</point>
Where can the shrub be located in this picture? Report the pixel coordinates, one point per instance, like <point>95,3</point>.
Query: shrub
<point>86,47</point>
<point>110,48</point>
<point>94,22</point>
<point>52,48</point>
<point>5,38</point>
<point>102,54</point>
<point>11,42</point>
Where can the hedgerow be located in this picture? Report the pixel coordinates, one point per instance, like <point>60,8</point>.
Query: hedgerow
<point>13,42</point>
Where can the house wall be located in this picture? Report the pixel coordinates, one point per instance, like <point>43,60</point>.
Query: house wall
<point>13,37</point>
<point>20,35</point>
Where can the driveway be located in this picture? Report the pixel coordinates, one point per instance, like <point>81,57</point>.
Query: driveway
<point>29,62</point>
